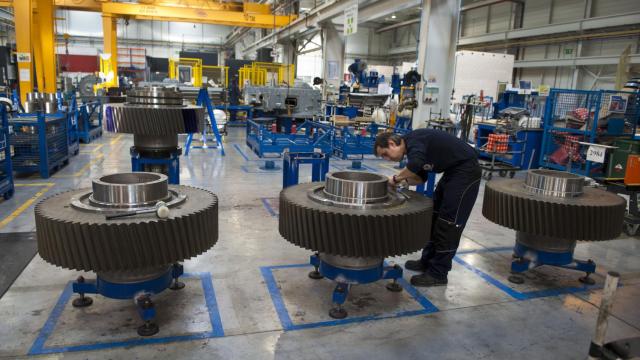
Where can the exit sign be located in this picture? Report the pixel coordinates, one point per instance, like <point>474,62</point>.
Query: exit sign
<point>568,51</point>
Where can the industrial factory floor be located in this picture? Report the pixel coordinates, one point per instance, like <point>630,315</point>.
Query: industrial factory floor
<point>250,298</point>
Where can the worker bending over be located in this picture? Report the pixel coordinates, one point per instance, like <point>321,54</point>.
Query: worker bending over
<point>434,150</point>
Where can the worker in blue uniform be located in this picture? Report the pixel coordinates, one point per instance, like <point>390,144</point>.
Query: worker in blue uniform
<point>434,150</point>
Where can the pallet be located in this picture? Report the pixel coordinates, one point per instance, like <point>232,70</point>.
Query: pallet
<point>88,137</point>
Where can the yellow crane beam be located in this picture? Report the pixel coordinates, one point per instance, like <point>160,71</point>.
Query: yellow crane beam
<point>46,38</point>
<point>23,14</point>
<point>82,5</point>
<point>253,15</point>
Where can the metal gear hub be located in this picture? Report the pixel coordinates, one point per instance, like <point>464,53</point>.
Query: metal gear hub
<point>354,215</point>
<point>551,209</point>
<point>73,230</point>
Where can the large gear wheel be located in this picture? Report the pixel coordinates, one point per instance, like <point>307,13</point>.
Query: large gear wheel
<point>73,231</point>
<point>354,215</point>
<point>554,204</point>
<point>154,111</point>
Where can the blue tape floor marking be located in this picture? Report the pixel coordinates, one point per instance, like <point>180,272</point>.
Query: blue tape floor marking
<point>214,316</point>
<point>235,146</point>
<point>270,210</point>
<point>522,295</point>
<point>259,170</point>
<point>288,325</point>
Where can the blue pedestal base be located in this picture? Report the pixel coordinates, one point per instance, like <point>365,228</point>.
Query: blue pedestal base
<point>269,165</point>
<point>291,162</point>
<point>139,162</point>
<point>355,165</point>
<point>141,292</point>
<point>525,258</point>
<point>345,277</point>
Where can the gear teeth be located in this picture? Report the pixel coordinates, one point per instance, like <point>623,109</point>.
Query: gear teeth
<point>594,216</point>
<point>154,121</point>
<point>352,232</point>
<point>85,241</point>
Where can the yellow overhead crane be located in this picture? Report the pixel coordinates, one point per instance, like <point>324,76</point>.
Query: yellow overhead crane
<point>36,42</point>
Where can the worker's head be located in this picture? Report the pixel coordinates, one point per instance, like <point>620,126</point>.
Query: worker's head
<point>389,146</point>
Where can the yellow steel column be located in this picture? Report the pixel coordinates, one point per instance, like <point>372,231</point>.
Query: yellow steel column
<point>48,45</point>
<point>23,13</point>
<point>36,45</point>
<point>110,31</point>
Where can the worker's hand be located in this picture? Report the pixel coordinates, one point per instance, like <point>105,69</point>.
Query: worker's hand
<point>392,181</point>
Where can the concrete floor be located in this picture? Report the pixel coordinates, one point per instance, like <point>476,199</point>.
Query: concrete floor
<point>244,301</point>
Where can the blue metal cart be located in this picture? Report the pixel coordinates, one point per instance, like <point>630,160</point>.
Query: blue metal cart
<point>6,169</point>
<point>40,142</point>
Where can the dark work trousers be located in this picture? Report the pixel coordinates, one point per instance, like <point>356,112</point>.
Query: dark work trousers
<point>453,201</point>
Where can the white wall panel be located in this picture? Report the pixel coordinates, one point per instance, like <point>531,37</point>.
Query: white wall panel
<point>567,10</point>
<point>535,52</point>
<point>500,16</point>
<point>611,7</point>
<point>609,46</point>
<point>477,71</point>
<point>475,21</point>
<point>536,13</point>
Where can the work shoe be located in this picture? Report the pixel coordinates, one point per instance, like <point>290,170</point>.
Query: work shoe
<point>415,265</point>
<point>425,279</point>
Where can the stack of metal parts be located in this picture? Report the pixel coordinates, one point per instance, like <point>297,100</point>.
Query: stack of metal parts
<point>155,116</point>
<point>45,102</point>
<point>353,221</point>
<point>550,210</point>
<point>131,229</point>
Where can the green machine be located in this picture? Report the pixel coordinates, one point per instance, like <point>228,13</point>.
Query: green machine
<point>618,157</point>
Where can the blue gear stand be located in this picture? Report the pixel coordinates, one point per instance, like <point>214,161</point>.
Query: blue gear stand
<point>205,100</point>
<point>141,292</point>
<point>291,166</point>
<point>346,277</point>
<point>172,163</point>
<point>526,258</point>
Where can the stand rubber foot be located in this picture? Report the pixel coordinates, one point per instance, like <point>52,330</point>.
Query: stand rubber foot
<point>82,302</point>
<point>393,287</point>
<point>587,280</point>
<point>516,279</point>
<point>315,275</point>
<point>148,329</point>
<point>338,313</point>
<point>177,285</point>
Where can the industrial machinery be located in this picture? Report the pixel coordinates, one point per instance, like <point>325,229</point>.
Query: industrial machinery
<point>300,101</point>
<point>550,210</point>
<point>155,116</point>
<point>131,229</point>
<point>353,221</point>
